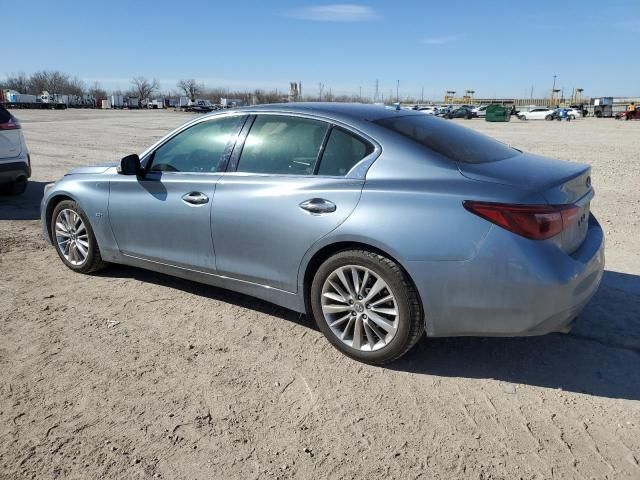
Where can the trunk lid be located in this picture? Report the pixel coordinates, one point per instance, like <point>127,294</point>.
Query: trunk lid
<point>557,181</point>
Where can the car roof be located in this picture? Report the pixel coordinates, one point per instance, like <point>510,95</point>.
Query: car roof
<point>339,111</point>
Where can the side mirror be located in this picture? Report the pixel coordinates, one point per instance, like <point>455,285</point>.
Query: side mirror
<point>130,165</point>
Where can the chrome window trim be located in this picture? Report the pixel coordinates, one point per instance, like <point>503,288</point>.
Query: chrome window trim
<point>357,172</point>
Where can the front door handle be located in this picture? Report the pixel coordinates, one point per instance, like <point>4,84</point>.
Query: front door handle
<point>318,206</point>
<point>195,198</point>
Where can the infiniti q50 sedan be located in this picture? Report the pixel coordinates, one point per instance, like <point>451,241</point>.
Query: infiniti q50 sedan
<point>382,224</point>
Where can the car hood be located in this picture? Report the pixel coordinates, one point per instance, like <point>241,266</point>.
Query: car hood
<point>99,168</point>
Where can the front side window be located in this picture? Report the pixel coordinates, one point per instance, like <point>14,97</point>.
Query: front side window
<point>342,152</point>
<point>282,145</point>
<point>200,148</point>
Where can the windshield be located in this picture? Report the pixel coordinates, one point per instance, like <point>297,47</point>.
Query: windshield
<point>446,138</point>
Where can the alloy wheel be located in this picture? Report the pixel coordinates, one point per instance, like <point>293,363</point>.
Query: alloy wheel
<point>359,308</point>
<point>72,237</point>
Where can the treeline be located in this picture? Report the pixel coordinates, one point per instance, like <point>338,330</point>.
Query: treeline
<point>51,81</point>
<point>56,82</point>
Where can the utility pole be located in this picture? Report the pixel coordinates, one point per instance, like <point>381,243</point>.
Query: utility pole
<point>320,88</point>
<point>531,93</point>
<point>375,96</point>
<point>360,95</point>
<point>398,91</point>
<point>422,96</point>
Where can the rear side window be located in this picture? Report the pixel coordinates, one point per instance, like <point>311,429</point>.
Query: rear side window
<point>282,145</point>
<point>342,152</point>
<point>457,143</point>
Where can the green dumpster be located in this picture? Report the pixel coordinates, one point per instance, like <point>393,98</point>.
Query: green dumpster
<point>498,113</point>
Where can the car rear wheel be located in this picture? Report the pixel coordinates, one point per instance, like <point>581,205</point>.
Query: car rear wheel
<point>522,117</point>
<point>74,239</point>
<point>366,306</point>
<point>549,117</point>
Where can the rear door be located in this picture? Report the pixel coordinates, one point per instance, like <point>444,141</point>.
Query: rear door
<point>287,188</point>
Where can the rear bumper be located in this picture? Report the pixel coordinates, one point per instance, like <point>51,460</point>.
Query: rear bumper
<point>12,170</point>
<point>513,287</point>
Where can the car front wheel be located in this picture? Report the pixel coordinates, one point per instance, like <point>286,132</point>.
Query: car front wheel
<point>366,306</point>
<point>74,239</point>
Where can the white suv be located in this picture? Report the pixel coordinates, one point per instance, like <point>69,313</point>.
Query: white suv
<point>15,161</point>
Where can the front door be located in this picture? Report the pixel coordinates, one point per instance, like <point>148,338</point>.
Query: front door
<point>164,215</point>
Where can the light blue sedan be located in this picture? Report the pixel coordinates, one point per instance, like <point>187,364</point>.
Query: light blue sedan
<point>383,224</point>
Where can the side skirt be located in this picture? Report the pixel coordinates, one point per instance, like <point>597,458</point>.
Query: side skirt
<point>273,295</point>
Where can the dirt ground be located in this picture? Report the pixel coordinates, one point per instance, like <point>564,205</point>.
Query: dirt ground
<point>132,374</point>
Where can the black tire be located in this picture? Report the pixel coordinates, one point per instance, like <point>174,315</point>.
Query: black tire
<point>549,117</point>
<point>17,187</point>
<point>410,318</point>
<point>572,117</point>
<point>93,261</point>
<point>522,117</point>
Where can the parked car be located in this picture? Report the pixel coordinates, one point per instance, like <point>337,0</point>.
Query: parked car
<point>202,106</point>
<point>539,113</point>
<point>628,115</point>
<point>401,223</point>
<point>563,114</point>
<point>462,112</point>
<point>15,161</point>
<point>480,111</point>
<point>428,110</point>
<point>581,109</point>
<point>574,113</point>
<point>443,110</point>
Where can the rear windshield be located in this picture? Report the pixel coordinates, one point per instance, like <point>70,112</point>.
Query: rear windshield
<point>446,138</point>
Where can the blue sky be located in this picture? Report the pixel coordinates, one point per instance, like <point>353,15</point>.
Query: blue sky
<point>497,48</point>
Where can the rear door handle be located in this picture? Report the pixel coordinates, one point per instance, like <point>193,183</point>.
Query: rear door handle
<point>318,206</point>
<point>195,198</point>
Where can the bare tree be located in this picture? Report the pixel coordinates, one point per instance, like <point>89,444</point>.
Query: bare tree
<point>191,88</point>
<point>75,86</point>
<point>97,92</point>
<point>144,88</point>
<point>18,82</point>
<point>48,81</point>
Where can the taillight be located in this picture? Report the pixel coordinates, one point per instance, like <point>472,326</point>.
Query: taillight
<point>11,124</point>
<point>537,222</point>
